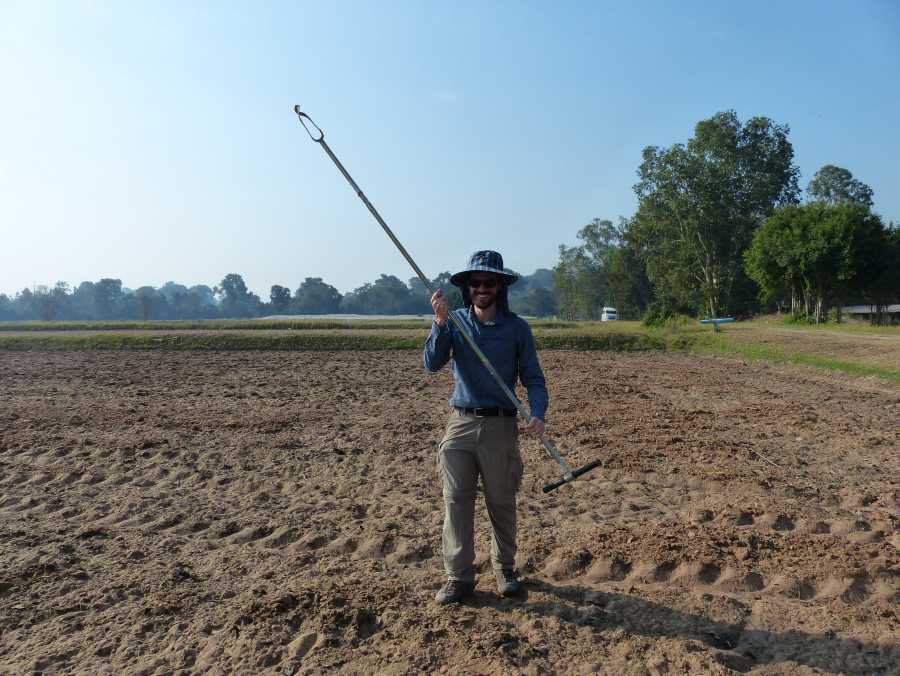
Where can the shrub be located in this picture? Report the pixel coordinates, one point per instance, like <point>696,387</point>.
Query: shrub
<point>660,311</point>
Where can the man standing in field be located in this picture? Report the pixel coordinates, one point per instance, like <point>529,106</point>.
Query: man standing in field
<point>482,435</point>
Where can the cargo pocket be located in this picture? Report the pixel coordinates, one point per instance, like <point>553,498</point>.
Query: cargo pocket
<point>516,466</point>
<point>439,458</point>
<point>439,461</point>
<point>518,472</point>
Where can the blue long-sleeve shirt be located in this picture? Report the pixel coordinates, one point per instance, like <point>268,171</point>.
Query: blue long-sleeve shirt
<point>508,344</point>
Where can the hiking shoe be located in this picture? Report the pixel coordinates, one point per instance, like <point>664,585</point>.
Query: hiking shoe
<point>508,582</point>
<point>454,592</point>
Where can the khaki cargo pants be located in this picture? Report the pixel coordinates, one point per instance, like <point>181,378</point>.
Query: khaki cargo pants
<point>471,447</point>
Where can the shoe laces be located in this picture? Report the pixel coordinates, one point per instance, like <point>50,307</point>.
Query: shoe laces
<point>509,575</point>
<point>454,586</point>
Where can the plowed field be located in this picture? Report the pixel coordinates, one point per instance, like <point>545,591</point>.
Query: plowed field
<point>279,512</point>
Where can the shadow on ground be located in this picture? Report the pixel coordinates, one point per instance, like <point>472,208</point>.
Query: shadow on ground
<point>740,649</point>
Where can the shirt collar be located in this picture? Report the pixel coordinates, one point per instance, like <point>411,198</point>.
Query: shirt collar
<point>498,319</point>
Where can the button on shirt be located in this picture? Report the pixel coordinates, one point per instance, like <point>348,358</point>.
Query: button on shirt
<point>508,344</point>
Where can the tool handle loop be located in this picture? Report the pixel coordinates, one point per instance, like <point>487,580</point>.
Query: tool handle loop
<point>319,133</point>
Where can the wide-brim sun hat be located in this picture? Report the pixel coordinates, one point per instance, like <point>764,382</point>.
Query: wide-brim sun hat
<point>485,261</point>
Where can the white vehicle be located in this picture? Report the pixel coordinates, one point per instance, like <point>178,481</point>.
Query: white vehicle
<point>608,314</point>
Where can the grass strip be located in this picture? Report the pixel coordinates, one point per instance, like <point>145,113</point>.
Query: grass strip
<point>215,325</point>
<point>120,326</point>
<point>855,326</point>
<point>211,341</point>
<point>308,340</point>
<point>616,342</point>
<point>721,345</point>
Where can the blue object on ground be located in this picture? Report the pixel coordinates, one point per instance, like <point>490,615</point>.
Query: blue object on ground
<point>716,322</point>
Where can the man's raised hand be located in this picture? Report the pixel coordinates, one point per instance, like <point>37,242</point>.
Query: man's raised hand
<point>441,307</point>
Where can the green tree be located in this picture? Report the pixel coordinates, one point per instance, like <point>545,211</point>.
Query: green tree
<point>83,301</point>
<point>180,302</point>
<point>7,309</point>
<point>451,291</point>
<point>355,302</point>
<point>581,277</point>
<point>391,296</point>
<point>419,298</point>
<point>62,299</point>
<point>541,278</point>
<point>25,304</point>
<point>629,288</point>
<point>108,298</point>
<point>386,296</point>
<point>576,284</point>
<point>279,299</point>
<point>773,259</point>
<point>237,301</point>
<point>151,303</point>
<point>835,185</point>
<point>173,291</point>
<point>26,308</point>
<point>143,298</point>
<point>818,254</point>
<point>877,282</point>
<point>600,238</point>
<point>537,302</point>
<point>199,303</point>
<point>700,203</point>
<point>527,295</point>
<point>47,303</point>
<point>315,297</point>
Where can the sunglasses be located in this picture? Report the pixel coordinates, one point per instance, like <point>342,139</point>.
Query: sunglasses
<point>483,284</point>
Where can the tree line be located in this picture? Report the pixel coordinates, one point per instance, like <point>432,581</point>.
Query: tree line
<point>721,229</point>
<point>108,299</point>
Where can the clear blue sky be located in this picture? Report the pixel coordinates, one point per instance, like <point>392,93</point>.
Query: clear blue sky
<point>154,141</point>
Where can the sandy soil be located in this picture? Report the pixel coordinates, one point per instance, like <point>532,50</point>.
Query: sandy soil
<point>280,513</point>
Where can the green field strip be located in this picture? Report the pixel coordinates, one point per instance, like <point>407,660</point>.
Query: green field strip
<point>306,340</point>
<point>212,341</point>
<point>722,346</point>
<point>214,325</point>
<point>119,326</point>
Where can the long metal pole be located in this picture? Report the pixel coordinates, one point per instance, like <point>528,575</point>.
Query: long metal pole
<point>568,473</point>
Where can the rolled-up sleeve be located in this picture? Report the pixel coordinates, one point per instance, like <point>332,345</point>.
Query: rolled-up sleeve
<point>531,375</point>
<point>437,347</point>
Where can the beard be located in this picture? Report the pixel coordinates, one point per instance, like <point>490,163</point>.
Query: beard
<point>484,302</point>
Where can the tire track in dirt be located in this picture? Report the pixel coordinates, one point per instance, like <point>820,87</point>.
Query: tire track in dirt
<point>281,512</point>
